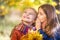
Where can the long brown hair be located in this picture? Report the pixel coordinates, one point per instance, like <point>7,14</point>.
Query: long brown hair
<point>52,19</point>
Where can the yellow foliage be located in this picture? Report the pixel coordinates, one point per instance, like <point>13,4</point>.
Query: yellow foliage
<point>54,4</point>
<point>58,12</point>
<point>28,3</point>
<point>32,36</point>
<point>12,3</point>
<point>3,10</point>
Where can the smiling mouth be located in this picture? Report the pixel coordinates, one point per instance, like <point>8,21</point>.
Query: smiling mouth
<point>28,18</point>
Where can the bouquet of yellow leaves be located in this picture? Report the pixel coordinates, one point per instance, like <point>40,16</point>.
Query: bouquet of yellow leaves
<point>34,35</point>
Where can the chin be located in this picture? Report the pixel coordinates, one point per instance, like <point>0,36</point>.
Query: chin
<point>26,21</point>
<point>42,20</point>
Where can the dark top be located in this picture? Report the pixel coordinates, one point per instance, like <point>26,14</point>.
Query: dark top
<point>46,37</point>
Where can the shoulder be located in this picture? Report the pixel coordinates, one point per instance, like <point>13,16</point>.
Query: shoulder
<point>58,29</point>
<point>17,29</point>
<point>19,26</point>
<point>57,33</point>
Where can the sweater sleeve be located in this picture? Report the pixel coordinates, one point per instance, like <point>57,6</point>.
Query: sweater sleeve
<point>16,35</point>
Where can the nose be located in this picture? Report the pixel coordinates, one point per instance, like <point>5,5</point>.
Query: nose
<point>27,14</point>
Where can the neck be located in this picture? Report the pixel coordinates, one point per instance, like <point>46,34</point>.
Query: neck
<point>27,23</point>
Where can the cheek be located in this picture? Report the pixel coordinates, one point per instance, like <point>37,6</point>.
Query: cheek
<point>23,15</point>
<point>42,18</point>
<point>31,17</point>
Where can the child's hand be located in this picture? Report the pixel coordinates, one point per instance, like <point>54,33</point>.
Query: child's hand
<point>31,31</point>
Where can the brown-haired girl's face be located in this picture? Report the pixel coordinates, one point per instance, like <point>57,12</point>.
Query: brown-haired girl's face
<point>41,15</point>
<point>29,15</point>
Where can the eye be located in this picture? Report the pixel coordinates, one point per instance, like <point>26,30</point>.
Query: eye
<point>41,13</point>
<point>30,13</point>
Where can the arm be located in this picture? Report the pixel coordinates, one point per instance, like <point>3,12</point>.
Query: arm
<point>16,35</point>
<point>13,35</point>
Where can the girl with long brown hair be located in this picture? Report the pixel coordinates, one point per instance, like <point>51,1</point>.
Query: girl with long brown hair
<point>47,22</point>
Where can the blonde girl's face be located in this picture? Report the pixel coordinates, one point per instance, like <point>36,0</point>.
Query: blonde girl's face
<point>41,15</point>
<point>29,15</point>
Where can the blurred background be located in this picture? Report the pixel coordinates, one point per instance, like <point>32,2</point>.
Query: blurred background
<point>11,12</point>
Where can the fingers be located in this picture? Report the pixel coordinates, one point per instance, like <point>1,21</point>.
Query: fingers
<point>38,24</point>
